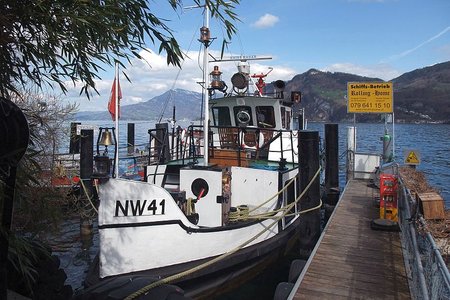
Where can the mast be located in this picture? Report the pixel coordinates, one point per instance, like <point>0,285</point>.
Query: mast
<point>204,38</point>
<point>116,121</point>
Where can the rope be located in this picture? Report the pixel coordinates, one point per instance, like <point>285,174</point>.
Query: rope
<point>276,195</point>
<point>174,277</point>
<point>87,196</point>
<point>190,208</point>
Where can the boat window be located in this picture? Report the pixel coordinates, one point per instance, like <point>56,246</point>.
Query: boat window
<point>285,118</point>
<point>243,115</point>
<point>265,116</point>
<point>221,116</point>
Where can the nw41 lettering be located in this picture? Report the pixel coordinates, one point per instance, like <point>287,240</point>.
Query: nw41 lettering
<point>140,208</point>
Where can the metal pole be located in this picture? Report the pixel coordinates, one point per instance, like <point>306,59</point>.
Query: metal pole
<point>393,136</point>
<point>172,145</point>
<point>205,93</point>
<point>116,78</point>
<point>351,149</point>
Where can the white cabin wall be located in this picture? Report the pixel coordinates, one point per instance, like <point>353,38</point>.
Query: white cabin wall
<point>209,211</point>
<point>263,183</point>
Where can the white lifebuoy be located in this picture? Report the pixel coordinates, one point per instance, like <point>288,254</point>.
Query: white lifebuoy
<point>243,117</point>
<point>257,146</point>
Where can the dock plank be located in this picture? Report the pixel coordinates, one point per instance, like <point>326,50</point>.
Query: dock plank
<point>352,260</point>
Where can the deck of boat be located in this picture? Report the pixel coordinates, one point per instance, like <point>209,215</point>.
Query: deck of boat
<point>352,260</point>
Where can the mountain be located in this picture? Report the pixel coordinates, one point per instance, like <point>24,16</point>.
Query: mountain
<point>187,106</point>
<point>422,95</point>
<point>324,93</point>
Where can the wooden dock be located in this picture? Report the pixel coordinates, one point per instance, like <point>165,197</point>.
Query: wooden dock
<point>352,260</point>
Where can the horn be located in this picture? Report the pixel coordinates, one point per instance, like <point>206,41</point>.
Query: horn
<point>106,138</point>
<point>279,84</point>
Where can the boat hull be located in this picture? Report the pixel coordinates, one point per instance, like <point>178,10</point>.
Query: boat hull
<point>220,277</point>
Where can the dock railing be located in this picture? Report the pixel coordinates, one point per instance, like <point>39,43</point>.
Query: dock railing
<point>428,275</point>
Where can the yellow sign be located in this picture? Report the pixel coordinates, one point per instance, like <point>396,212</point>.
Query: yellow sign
<point>412,157</point>
<point>370,97</point>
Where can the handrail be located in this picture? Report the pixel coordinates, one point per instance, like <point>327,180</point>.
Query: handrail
<point>429,277</point>
<point>412,233</point>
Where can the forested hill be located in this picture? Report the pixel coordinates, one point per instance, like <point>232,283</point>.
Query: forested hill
<point>422,95</point>
<point>424,92</point>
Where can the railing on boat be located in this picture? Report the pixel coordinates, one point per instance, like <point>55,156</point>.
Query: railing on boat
<point>188,144</point>
<point>228,146</point>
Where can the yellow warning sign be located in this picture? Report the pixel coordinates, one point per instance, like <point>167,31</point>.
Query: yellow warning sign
<point>412,157</point>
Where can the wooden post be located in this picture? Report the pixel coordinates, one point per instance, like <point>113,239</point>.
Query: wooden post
<point>87,158</point>
<point>308,166</point>
<point>130,138</point>
<point>332,163</point>
<point>162,142</point>
<point>86,171</point>
<point>74,145</point>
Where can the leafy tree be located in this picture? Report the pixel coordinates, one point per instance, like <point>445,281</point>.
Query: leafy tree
<point>51,41</point>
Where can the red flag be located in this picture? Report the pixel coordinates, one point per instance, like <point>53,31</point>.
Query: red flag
<point>112,100</point>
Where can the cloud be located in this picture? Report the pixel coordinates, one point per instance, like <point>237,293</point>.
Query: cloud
<point>153,77</point>
<point>265,21</point>
<point>382,71</point>
<point>409,51</point>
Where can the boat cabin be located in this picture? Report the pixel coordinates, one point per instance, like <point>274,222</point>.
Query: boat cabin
<point>251,111</point>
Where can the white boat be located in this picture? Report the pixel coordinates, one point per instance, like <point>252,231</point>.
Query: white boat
<point>205,216</point>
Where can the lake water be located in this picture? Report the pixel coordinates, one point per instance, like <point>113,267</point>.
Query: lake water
<point>430,141</point>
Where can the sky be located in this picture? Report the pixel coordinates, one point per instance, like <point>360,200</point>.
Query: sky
<point>376,38</point>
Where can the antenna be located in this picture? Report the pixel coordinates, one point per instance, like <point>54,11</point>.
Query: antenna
<point>242,58</point>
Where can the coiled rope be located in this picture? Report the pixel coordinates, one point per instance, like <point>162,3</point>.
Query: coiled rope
<point>174,277</point>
